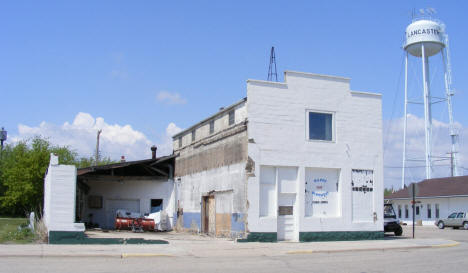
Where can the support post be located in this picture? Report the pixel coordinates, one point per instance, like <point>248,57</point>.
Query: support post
<point>405,124</point>
<point>427,112</point>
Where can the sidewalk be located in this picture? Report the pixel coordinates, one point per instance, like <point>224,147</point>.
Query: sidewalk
<point>216,248</point>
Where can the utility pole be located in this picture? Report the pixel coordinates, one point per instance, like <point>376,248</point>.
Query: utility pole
<point>452,166</point>
<point>97,147</point>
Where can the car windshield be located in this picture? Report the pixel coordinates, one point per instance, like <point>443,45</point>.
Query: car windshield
<point>388,212</point>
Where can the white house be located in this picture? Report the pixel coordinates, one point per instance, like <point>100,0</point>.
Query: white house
<point>299,161</point>
<point>435,198</point>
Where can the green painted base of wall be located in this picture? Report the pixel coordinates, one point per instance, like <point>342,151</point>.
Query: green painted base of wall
<point>80,238</point>
<point>266,237</point>
<point>340,236</point>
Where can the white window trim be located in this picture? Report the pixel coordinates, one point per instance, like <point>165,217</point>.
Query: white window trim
<point>307,125</point>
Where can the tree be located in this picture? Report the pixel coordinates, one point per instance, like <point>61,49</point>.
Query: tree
<point>87,162</point>
<point>388,191</point>
<point>22,171</point>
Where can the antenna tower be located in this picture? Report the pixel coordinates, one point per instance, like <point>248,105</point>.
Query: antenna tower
<point>272,68</point>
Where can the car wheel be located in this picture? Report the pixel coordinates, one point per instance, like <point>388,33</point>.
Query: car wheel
<point>441,225</point>
<point>399,232</point>
<point>465,225</point>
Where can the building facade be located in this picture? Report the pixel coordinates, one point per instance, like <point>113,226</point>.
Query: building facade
<point>435,199</point>
<point>298,161</point>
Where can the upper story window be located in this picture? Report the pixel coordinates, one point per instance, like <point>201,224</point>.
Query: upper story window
<point>193,135</point>
<point>231,117</point>
<point>212,126</point>
<point>320,126</point>
<point>180,141</point>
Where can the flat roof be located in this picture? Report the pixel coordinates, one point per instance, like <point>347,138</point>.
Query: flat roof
<point>224,110</point>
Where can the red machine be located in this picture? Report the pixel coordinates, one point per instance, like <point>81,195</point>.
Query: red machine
<point>133,221</point>
<point>134,224</point>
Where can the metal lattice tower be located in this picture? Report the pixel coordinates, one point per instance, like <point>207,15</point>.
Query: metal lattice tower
<point>272,68</point>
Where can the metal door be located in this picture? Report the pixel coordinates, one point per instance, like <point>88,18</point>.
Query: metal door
<point>286,223</point>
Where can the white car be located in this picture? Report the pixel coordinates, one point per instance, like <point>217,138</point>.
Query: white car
<point>455,220</point>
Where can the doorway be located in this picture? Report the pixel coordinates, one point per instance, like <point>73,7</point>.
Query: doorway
<point>209,215</point>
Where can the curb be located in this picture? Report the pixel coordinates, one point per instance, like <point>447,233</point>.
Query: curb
<point>139,255</point>
<point>370,249</point>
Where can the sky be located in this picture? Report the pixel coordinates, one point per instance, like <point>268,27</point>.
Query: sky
<point>143,70</point>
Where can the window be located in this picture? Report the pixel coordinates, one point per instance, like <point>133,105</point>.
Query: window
<point>399,211</point>
<point>193,135</point>
<point>453,215</point>
<point>231,117</point>
<point>429,211</point>
<point>212,126</point>
<point>437,210</point>
<point>320,126</point>
<point>417,210</point>
<point>180,142</point>
<point>267,191</point>
<point>156,205</point>
<point>460,215</point>
<point>406,211</point>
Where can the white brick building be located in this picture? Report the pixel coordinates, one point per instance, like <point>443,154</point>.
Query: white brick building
<point>299,160</point>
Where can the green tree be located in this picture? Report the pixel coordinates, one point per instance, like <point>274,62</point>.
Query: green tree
<point>90,161</point>
<point>22,170</point>
<point>388,191</point>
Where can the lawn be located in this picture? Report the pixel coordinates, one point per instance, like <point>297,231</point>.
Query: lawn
<point>9,232</point>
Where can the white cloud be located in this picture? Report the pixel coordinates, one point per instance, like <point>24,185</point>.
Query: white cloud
<point>415,149</point>
<point>170,98</point>
<point>115,140</point>
<point>165,146</point>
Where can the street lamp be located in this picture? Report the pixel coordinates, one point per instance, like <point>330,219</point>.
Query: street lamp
<point>3,136</point>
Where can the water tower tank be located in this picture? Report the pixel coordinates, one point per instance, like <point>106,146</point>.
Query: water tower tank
<point>427,32</point>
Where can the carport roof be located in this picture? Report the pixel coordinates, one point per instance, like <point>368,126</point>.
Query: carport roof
<point>436,187</point>
<point>161,167</point>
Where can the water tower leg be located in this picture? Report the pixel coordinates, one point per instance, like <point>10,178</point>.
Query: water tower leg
<point>448,94</point>
<point>405,120</point>
<point>427,112</point>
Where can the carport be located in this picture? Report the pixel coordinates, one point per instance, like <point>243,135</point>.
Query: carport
<point>142,186</point>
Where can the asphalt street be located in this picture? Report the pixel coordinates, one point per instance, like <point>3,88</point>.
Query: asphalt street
<point>439,259</point>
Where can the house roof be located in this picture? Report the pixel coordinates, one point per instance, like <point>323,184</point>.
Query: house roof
<point>436,187</point>
<point>158,167</point>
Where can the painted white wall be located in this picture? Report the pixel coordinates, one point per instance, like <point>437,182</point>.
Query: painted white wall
<point>230,178</point>
<point>141,190</point>
<point>277,115</point>
<point>59,197</point>
<point>447,205</point>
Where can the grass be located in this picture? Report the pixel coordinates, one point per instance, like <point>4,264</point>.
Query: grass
<point>10,233</point>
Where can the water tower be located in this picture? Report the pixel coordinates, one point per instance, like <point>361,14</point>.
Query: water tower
<point>426,39</point>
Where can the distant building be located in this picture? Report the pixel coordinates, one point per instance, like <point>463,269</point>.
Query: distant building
<point>436,198</point>
<point>299,161</point>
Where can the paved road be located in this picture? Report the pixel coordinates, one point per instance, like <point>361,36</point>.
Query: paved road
<point>447,259</point>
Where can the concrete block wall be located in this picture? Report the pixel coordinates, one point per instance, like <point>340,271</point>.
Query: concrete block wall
<point>59,197</point>
<point>277,116</point>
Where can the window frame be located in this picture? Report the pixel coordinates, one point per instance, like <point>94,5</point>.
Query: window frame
<point>212,125</point>
<point>333,130</point>
<point>180,142</point>
<point>193,135</point>
<point>429,211</point>
<point>232,120</point>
